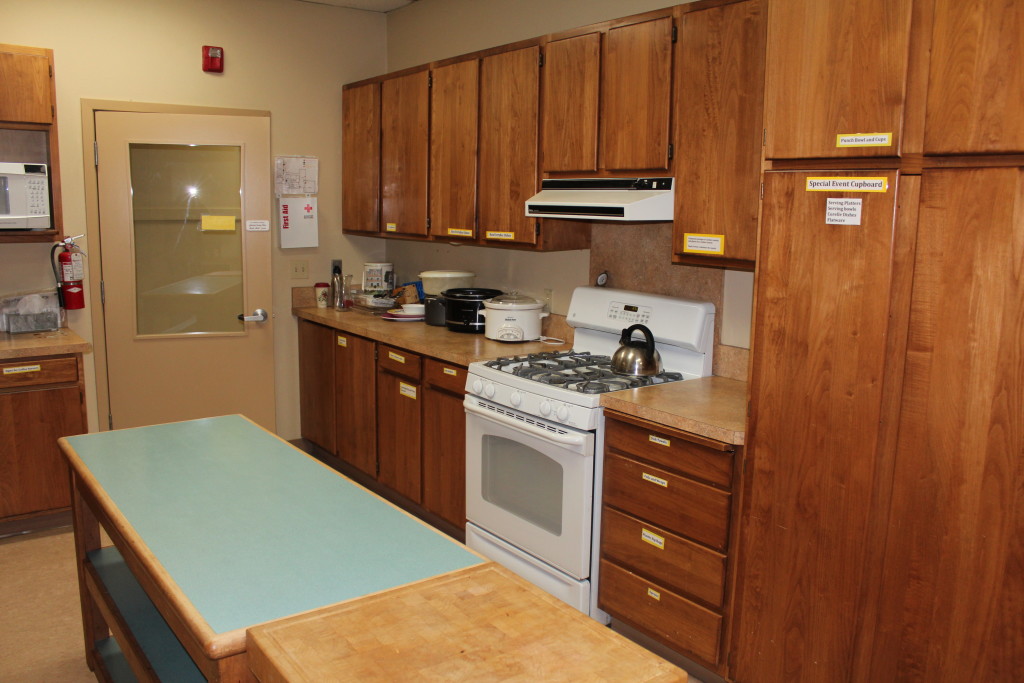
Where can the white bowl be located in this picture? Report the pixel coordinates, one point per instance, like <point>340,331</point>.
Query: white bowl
<point>414,309</point>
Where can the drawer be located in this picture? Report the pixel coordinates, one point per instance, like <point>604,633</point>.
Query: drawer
<point>445,375</point>
<point>400,362</point>
<point>659,612</point>
<point>683,506</point>
<point>27,373</point>
<point>669,449</point>
<point>663,556</point>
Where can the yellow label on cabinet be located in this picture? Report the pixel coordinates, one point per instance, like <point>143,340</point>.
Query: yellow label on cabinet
<point>407,390</point>
<point>395,357</point>
<point>460,232</point>
<point>342,341</point>
<point>864,140</point>
<point>658,440</point>
<point>847,185</point>
<point>21,369</point>
<point>223,223</point>
<point>652,538</point>
<point>451,371</point>
<point>391,227</point>
<point>654,594</point>
<point>500,235</point>
<point>655,480</point>
<point>696,243</point>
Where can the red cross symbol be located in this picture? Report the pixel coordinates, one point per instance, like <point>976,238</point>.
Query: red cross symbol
<point>308,208</point>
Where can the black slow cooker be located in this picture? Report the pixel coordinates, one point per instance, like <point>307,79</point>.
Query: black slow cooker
<point>462,307</point>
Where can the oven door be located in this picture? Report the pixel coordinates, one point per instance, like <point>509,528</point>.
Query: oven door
<point>530,482</point>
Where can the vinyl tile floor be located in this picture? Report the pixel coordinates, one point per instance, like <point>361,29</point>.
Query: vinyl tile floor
<point>40,618</point>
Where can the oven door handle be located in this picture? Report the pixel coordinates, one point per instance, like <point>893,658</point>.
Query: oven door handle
<point>568,439</point>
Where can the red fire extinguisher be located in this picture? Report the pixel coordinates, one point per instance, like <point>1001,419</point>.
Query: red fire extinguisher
<point>69,271</point>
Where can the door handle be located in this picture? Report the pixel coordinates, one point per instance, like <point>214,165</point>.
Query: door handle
<point>258,316</point>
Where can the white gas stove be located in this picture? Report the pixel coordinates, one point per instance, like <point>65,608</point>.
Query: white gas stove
<point>535,436</point>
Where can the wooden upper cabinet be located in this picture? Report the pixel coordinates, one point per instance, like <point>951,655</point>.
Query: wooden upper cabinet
<point>453,149</point>
<point>26,84</point>
<point>718,102</point>
<point>636,95</point>
<point>404,152</point>
<point>572,76</point>
<point>360,162</point>
<point>835,78</point>
<point>509,94</point>
<point>975,100</point>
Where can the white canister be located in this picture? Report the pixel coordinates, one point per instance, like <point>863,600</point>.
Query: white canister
<point>436,281</point>
<point>513,317</point>
<point>378,277</point>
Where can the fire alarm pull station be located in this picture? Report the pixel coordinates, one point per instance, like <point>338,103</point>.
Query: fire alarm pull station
<point>213,59</point>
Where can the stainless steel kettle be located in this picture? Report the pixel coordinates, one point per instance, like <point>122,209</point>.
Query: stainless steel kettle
<point>636,357</point>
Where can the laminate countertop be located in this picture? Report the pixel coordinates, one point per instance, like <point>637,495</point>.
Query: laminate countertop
<point>430,340</point>
<point>29,344</point>
<point>712,407</point>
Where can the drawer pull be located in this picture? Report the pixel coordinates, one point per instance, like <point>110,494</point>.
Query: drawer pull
<point>342,341</point>
<point>655,480</point>
<point>659,440</point>
<point>654,594</point>
<point>407,390</point>
<point>451,371</point>
<point>652,538</point>
<point>22,369</point>
<point>396,357</point>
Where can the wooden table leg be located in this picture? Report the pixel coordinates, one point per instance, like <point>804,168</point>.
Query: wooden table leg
<point>87,537</point>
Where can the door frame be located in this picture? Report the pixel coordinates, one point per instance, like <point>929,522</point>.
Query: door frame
<point>92,223</point>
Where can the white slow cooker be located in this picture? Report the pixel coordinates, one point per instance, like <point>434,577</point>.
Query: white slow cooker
<point>513,317</point>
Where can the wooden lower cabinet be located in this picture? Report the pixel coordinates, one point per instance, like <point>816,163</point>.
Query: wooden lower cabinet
<point>399,421</point>
<point>316,384</point>
<point>355,401</point>
<point>666,535</point>
<point>41,400</point>
<point>444,441</point>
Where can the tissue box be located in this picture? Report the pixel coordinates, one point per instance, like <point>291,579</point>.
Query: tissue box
<point>35,312</point>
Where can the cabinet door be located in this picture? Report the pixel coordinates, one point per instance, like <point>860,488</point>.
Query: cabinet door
<point>316,384</point>
<point>404,151</point>
<point>835,69</point>
<point>953,586</point>
<point>25,90</point>
<point>360,175</point>
<point>444,442</point>
<point>572,77</point>
<point>33,472</point>
<point>976,84</point>
<point>356,401</point>
<point>636,96</point>
<point>816,399</point>
<point>453,149</point>
<point>509,93</point>
<point>719,89</point>
<point>399,435</point>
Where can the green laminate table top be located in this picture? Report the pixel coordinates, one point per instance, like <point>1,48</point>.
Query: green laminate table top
<point>250,528</point>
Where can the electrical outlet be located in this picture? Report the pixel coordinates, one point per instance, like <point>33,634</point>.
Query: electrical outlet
<point>300,269</point>
<point>547,299</point>
<point>335,263</point>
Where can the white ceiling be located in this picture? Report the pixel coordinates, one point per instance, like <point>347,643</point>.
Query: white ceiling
<point>370,5</point>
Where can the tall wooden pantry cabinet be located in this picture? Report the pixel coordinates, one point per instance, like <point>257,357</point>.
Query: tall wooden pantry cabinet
<point>884,505</point>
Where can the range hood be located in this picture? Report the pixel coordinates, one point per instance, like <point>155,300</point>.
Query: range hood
<point>609,199</point>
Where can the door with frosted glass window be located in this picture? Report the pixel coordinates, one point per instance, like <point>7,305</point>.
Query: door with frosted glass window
<point>184,206</point>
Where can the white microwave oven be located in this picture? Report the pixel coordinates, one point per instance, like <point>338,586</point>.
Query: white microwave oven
<point>24,196</point>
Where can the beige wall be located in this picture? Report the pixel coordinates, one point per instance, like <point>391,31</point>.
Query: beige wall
<point>283,56</point>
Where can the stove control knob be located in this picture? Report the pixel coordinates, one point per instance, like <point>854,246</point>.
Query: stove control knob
<point>563,413</point>
<point>489,390</point>
<point>516,399</point>
<point>478,386</point>
<point>545,408</point>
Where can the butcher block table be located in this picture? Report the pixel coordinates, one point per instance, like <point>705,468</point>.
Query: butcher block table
<point>219,526</point>
<point>483,623</point>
